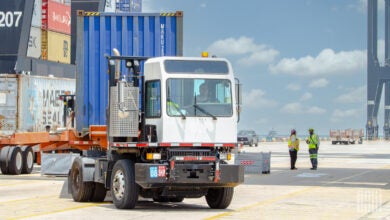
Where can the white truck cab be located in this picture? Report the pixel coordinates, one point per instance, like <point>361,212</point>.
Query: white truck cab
<point>191,100</point>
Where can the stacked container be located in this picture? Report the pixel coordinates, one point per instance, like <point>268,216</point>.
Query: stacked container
<point>123,6</point>
<point>50,31</point>
<point>55,39</point>
<point>34,42</point>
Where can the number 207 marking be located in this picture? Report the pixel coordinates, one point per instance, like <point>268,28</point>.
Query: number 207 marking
<point>10,18</point>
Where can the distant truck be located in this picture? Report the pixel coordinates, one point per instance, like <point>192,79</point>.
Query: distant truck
<point>346,136</point>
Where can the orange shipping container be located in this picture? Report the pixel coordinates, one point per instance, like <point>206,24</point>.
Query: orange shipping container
<point>58,47</point>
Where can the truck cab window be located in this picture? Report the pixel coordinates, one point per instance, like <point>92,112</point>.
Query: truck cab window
<point>153,99</point>
<point>199,97</point>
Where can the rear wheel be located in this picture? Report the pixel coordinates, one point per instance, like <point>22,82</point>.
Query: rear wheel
<point>28,159</point>
<point>219,198</point>
<point>15,161</point>
<point>81,191</point>
<point>124,190</point>
<point>3,160</point>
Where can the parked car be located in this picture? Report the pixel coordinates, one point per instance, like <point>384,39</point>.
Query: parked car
<point>248,137</point>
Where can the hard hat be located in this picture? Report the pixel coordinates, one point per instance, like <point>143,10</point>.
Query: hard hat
<point>311,129</point>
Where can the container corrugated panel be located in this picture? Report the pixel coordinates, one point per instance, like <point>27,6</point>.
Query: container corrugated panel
<point>30,103</point>
<point>138,34</point>
<point>58,47</point>
<point>37,14</point>
<point>34,43</point>
<point>56,16</point>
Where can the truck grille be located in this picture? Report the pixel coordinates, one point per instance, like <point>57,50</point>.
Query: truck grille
<point>190,152</point>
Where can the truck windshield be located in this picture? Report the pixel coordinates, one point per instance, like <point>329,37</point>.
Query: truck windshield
<point>199,98</point>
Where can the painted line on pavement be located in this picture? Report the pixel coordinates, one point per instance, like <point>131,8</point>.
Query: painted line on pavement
<point>279,198</point>
<point>86,205</point>
<point>28,199</point>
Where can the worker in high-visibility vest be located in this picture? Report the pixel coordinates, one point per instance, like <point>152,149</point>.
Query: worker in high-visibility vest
<point>313,143</point>
<point>172,108</point>
<point>293,148</point>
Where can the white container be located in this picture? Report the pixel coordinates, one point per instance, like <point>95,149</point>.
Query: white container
<point>30,103</point>
<point>37,14</point>
<point>34,43</point>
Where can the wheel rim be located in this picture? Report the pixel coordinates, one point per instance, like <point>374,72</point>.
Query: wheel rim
<point>18,161</point>
<point>118,184</point>
<point>30,159</point>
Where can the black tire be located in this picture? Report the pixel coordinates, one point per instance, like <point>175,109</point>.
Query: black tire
<point>219,198</point>
<point>3,160</point>
<point>28,159</point>
<point>15,161</point>
<point>124,190</point>
<point>334,142</point>
<point>99,193</point>
<point>81,191</point>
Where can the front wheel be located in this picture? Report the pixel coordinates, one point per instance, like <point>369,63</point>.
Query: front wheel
<point>219,198</point>
<point>124,190</point>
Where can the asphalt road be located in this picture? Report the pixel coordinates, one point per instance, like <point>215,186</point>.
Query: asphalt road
<point>352,182</point>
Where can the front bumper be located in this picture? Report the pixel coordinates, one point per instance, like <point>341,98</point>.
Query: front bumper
<point>243,140</point>
<point>202,175</point>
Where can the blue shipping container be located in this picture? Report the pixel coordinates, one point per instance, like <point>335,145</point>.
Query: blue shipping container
<point>133,34</point>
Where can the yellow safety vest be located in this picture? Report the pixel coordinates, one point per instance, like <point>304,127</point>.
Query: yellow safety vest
<point>313,141</point>
<point>293,141</point>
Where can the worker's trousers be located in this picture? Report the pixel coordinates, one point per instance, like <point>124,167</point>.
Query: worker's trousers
<point>293,158</point>
<point>313,157</point>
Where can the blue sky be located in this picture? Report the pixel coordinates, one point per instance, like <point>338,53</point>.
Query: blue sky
<point>302,63</point>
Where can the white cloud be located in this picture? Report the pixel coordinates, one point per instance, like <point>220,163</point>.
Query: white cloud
<point>327,62</point>
<point>298,108</point>
<point>256,99</point>
<point>342,115</point>
<point>253,53</point>
<point>263,56</point>
<point>306,96</point>
<point>203,5</point>
<point>292,108</point>
<point>293,87</point>
<point>354,95</point>
<point>316,110</point>
<point>319,83</point>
